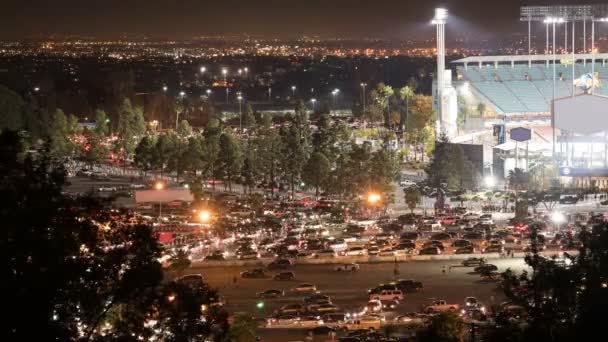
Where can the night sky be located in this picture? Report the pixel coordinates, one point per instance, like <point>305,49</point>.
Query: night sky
<point>184,19</point>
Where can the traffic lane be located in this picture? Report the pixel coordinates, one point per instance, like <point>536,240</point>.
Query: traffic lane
<point>348,290</point>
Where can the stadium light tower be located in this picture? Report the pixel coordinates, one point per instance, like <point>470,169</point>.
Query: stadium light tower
<point>440,19</point>
<point>593,48</point>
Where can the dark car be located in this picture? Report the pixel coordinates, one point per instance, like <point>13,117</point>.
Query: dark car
<point>409,285</point>
<point>285,276</point>
<point>461,243</point>
<point>322,330</point>
<point>430,251</point>
<point>411,236</point>
<point>280,264</point>
<point>486,268</point>
<point>256,273</point>
<point>465,250</point>
<point>215,256</point>
<point>441,236</point>
<point>434,243</point>
<point>271,294</point>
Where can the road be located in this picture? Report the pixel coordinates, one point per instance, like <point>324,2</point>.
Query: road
<point>348,290</point>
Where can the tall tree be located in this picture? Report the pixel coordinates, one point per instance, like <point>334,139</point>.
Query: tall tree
<point>144,153</point>
<point>60,143</point>
<point>131,127</point>
<point>184,130</point>
<point>316,171</point>
<point>101,123</point>
<point>230,158</point>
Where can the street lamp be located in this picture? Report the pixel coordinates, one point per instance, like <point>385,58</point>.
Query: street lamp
<point>440,19</point>
<point>335,93</point>
<point>240,98</point>
<point>558,218</point>
<point>203,69</point>
<point>208,92</point>
<point>224,73</point>
<point>363,85</point>
<point>182,93</point>
<point>373,198</point>
<point>293,91</point>
<point>313,101</point>
<point>36,89</point>
<point>165,89</point>
<point>489,181</point>
<point>159,186</point>
<point>204,216</point>
<point>240,71</point>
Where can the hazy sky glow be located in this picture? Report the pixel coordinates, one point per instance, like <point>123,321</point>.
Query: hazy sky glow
<point>271,18</point>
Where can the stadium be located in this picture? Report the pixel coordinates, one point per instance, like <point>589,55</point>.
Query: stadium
<point>526,108</point>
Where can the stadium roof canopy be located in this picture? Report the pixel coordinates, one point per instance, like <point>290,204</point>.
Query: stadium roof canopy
<point>527,58</point>
<point>567,12</point>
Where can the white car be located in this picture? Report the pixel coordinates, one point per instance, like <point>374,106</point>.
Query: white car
<point>388,295</point>
<point>107,188</point>
<point>347,267</point>
<point>304,288</point>
<point>355,251</point>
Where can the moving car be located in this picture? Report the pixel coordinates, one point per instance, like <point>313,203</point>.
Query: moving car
<point>256,273</point>
<point>284,276</point>
<point>305,287</point>
<point>409,285</point>
<point>280,264</point>
<point>471,262</point>
<point>430,251</point>
<point>441,305</point>
<point>273,293</point>
<point>388,295</point>
<point>347,267</point>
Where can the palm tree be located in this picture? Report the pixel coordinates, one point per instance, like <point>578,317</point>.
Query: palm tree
<point>481,108</point>
<point>518,181</point>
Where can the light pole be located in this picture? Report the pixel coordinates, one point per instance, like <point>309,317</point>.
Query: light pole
<point>553,21</point>
<point>335,93</point>
<point>293,91</point>
<point>440,19</point>
<point>203,70</point>
<point>159,186</point>
<point>313,101</point>
<point>182,94</point>
<point>593,49</point>
<point>227,92</point>
<point>246,69</point>
<point>240,71</point>
<point>363,85</point>
<point>240,98</point>
<point>269,94</point>
<point>224,73</point>
<point>165,89</point>
<point>208,93</point>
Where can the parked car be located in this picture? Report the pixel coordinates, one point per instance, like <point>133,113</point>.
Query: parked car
<point>465,250</point>
<point>430,251</point>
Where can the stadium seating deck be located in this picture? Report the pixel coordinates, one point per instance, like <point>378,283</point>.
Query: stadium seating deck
<point>524,89</point>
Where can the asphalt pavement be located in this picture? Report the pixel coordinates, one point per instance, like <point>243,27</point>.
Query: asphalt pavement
<point>349,290</point>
